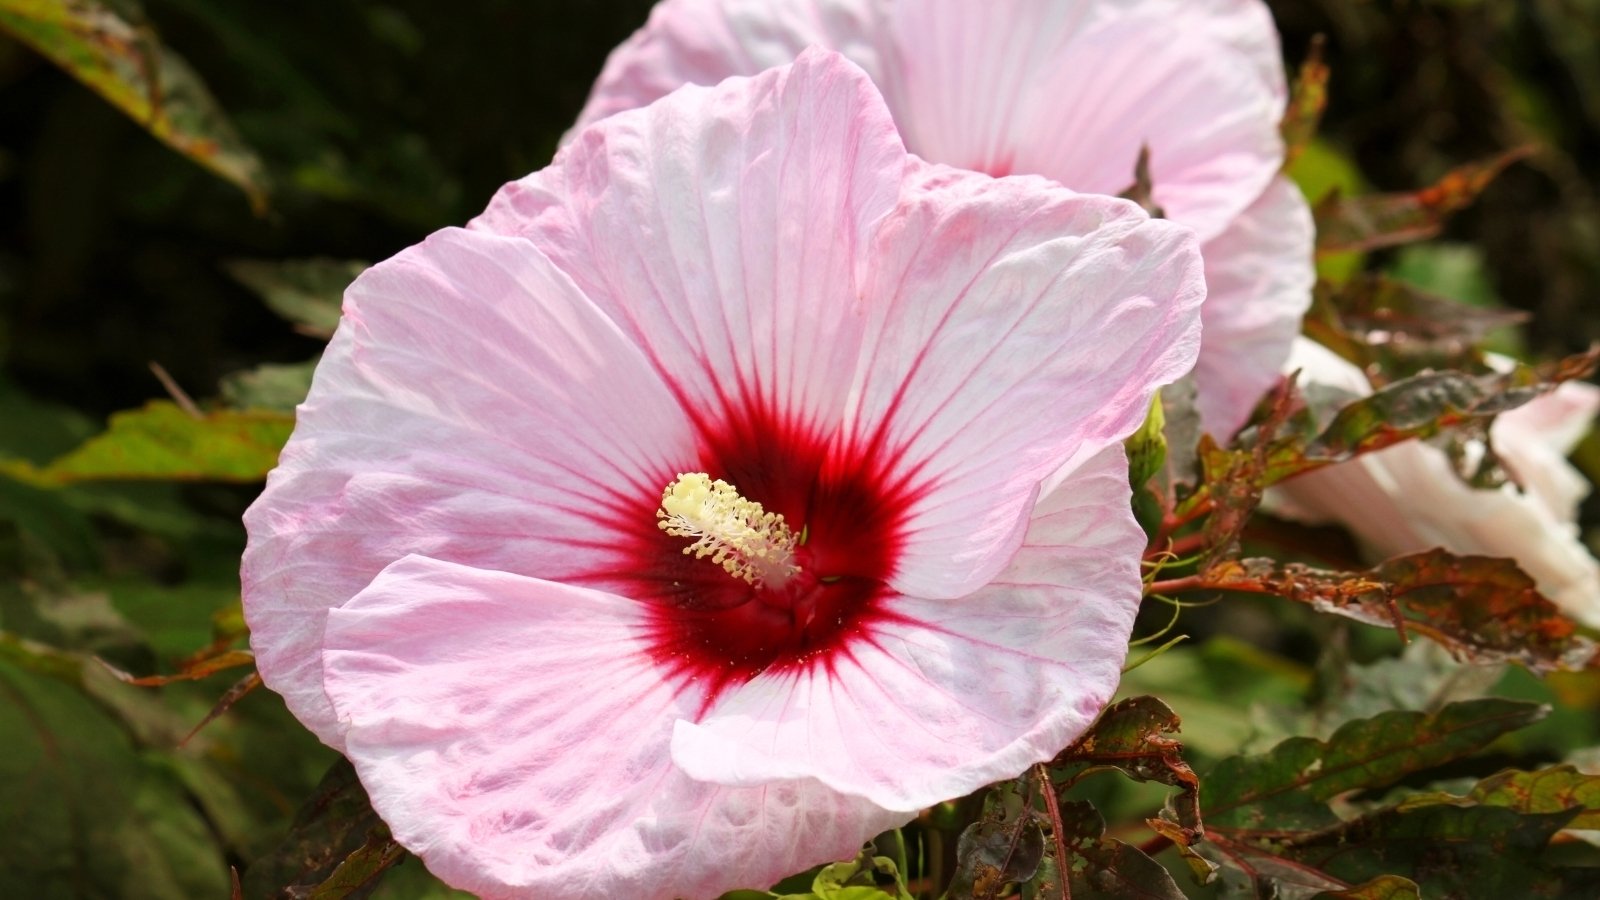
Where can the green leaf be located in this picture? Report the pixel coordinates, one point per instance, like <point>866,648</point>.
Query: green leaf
<point>1147,447</point>
<point>307,292</point>
<point>1136,737</point>
<point>1219,689</point>
<point>116,53</point>
<point>1287,789</point>
<point>271,386</point>
<point>1451,851</point>
<point>1554,790</point>
<point>862,878</point>
<point>84,814</point>
<point>1322,170</point>
<point>1105,868</point>
<point>162,441</point>
<point>1384,887</point>
<point>358,874</point>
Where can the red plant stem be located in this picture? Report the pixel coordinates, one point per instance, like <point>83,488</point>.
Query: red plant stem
<point>1187,544</point>
<point>1155,845</point>
<point>1063,866</point>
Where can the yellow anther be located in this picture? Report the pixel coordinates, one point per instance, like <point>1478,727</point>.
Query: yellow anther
<point>747,541</point>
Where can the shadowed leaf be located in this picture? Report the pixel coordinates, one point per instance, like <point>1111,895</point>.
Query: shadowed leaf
<point>307,292</point>
<point>1393,330</point>
<point>1384,887</point>
<point>1102,867</point>
<point>358,875</point>
<point>1452,852</point>
<point>334,825</point>
<point>86,811</point>
<point>1482,609</point>
<point>1286,790</point>
<point>1270,825</point>
<point>270,387</point>
<point>116,53</point>
<point>163,442</point>
<point>1384,220</point>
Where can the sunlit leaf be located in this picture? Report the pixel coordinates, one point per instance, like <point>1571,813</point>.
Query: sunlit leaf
<point>113,50</point>
<point>866,877</point>
<point>1322,170</point>
<point>162,441</point>
<point>307,292</point>
<point>1552,790</point>
<point>1383,220</point>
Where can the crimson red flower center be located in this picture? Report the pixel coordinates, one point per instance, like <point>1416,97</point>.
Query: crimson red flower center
<point>846,510</point>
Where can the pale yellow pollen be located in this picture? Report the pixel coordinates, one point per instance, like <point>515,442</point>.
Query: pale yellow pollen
<point>747,541</point>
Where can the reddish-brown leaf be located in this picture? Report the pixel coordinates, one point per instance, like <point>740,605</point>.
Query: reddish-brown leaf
<point>1482,609</point>
<point>1307,100</point>
<point>1384,220</point>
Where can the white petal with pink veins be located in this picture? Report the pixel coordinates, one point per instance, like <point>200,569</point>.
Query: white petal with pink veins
<point>473,406</point>
<point>723,231</point>
<point>1017,324</point>
<point>960,692</point>
<point>513,733</point>
<point>1259,275</point>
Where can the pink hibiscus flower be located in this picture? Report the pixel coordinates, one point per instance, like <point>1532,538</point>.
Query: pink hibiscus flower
<point>732,489</point>
<point>1067,89</point>
<point>1407,498</point>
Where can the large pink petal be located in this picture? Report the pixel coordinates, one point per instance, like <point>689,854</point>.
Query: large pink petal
<point>1069,89</point>
<point>1016,325</point>
<point>963,692</point>
<point>722,230</point>
<point>705,41</point>
<point>1072,90</point>
<point>473,406</point>
<point>514,734</point>
<point>1259,275</point>
<point>1408,498</point>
